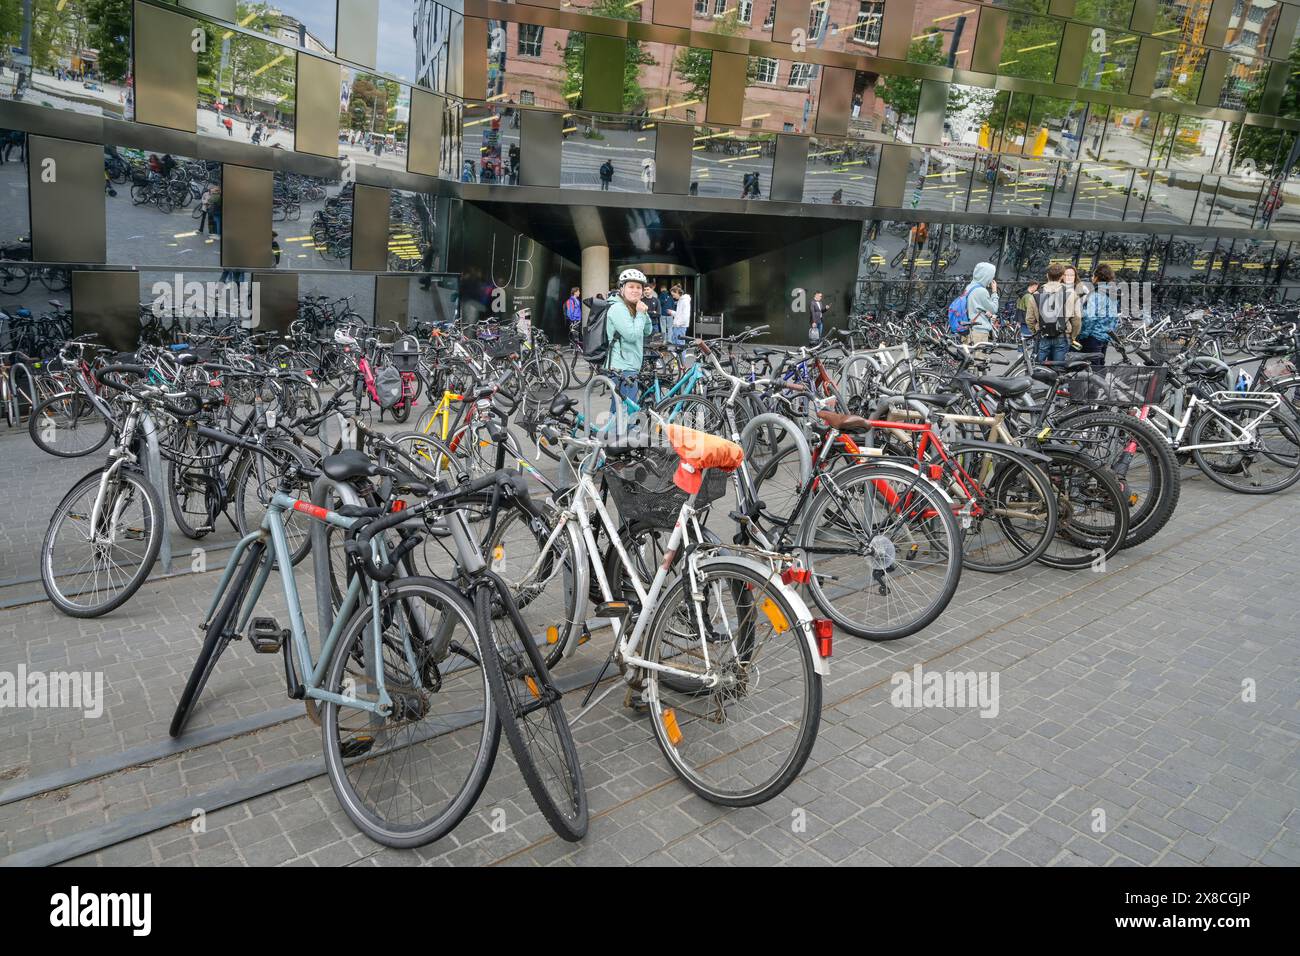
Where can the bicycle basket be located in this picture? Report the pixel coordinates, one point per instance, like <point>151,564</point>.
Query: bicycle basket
<point>642,487</point>
<point>505,346</point>
<point>1118,385</point>
<point>1165,348</point>
<point>406,354</point>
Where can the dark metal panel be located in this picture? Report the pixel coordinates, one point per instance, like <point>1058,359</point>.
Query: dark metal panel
<point>1073,45</point>
<point>277,300</point>
<point>602,73</point>
<point>1216,24</point>
<point>1274,87</point>
<point>358,31</point>
<point>672,158</point>
<point>1061,8</point>
<point>541,141</point>
<point>672,13</point>
<point>370,228</point>
<point>392,300</point>
<point>930,108</point>
<point>896,27</point>
<point>1144,16</point>
<point>246,218</point>
<point>108,304</point>
<point>219,9</point>
<point>66,184</point>
<point>1284,35</point>
<point>1143,80</point>
<point>166,68</point>
<point>892,178</point>
<point>474,63</point>
<point>789,167</point>
<point>727,88</point>
<point>424,154</point>
<point>1212,80</point>
<point>317,121</point>
<point>990,37</point>
<point>835,104</point>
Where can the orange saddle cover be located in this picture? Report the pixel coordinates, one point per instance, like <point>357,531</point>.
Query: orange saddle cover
<point>697,451</point>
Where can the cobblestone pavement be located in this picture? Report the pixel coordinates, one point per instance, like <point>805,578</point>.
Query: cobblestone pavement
<point>1158,698</point>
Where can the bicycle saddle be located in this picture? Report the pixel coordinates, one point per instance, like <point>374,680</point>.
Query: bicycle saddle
<point>561,403</point>
<point>844,423</point>
<point>938,400</point>
<point>1006,387</point>
<point>347,465</point>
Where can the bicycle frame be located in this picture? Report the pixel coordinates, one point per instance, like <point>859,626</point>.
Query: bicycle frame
<point>1246,432</point>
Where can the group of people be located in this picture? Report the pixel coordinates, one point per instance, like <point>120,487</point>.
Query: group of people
<point>1062,313</point>
<point>664,310</point>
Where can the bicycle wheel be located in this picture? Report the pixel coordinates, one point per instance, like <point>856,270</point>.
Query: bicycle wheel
<point>884,550</point>
<point>580,369</point>
<point>409,778</point>
<point>193,491</point>
<point>1268,464</point>
<point>254,488</point>
<point>1141,460</point>
<point>217,634</point>
<point>68,425</point>
<point>548,579</point>
<point>1092,512</point>
<point>692,411</point>
<point>738,730</point>
<point>88,571</point>
<point>531,710</point>
<point>1007,513</point>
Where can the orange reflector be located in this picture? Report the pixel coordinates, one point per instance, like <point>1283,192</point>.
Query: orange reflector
<point>1133,499</point>
<point>399,504</point>
<point>532,686</point>
<point>779,623</point>
<point>823,628</point>
<point>670,727</point>
<point>552,635</point>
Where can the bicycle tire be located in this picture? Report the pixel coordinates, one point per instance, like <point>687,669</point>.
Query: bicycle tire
<point>71,407</point>
<point>748,584</point>
<point>297,531</point>
<point>151,519</point>
<point>570,820</point>
<point>1289,431</point>
<point>216,638</point>
<point>350,651</point>
<point>1077,478</point>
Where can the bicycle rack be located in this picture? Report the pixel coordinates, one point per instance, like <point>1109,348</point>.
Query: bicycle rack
<point>153,472</point>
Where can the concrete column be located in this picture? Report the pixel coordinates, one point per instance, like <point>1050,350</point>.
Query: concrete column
<point>595,271</point>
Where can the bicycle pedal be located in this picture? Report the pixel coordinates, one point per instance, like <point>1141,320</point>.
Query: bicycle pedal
<point>618,609</point>
<point>266,635</point>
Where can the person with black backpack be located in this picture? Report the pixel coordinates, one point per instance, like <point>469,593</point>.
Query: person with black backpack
<point>606,175</point>
<point>1054,316</point>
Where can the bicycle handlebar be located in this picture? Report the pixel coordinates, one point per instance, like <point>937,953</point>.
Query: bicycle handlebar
<point>150,392</point>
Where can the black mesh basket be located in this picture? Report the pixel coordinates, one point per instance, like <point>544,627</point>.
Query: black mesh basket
<point>1165,348</point>
<point>1126,385</point>
<point>505,346</point>
<point>642,487</point>
<point>406,353</point>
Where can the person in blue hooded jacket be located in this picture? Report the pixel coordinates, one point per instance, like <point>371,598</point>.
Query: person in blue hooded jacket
<point>981,302</point>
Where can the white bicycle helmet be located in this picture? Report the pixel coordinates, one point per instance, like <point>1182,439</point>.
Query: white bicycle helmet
<point>631,275</point>
<point>342,338</point>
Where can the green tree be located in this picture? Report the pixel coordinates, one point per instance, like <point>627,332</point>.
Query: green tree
<point>110,34</point>
<point>902,94</point>
<point>1259,144</point>
<point>693,65</point>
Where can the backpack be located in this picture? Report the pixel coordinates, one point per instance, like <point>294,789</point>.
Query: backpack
<point>1053,325</point>
<point>958,318</point>
<point>595,339</point>
<point>607,170</point>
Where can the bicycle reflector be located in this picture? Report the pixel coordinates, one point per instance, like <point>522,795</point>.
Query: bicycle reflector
<point>823,628</point>
<point>936,472</point>
<point>399,504</point>
<point>795,576</point>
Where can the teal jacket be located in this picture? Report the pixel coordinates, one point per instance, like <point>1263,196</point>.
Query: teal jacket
<point>626,332</point>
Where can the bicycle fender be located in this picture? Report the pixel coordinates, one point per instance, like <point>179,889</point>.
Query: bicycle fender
<point>747,437</point>
<point>1037,458</point>
<point>805,617</point>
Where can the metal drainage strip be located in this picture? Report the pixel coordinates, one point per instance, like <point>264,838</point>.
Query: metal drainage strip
<point>175,811</point>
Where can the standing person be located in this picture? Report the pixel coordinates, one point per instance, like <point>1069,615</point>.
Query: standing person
<point>212,207</point>
<point>1024,305</point>
<point>648,174</point>
<point>681,313</point>
<point>230,126</point>
<point>1099,315</point>
<point>982,302</point>
<point>513,153</point>
<point>652,308</point>
<point>665,310</point>
<point>626,325</point>
<point>606,175</point>
<point>573,313</point>
<point>1056,319</point>
<point>817,310</point>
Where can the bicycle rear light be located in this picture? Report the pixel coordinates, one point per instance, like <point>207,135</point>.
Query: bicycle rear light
<point>823,627</point>
<point>795,576</point>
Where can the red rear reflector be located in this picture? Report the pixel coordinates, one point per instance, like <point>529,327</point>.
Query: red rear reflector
<point>936,472</point>
<point>399,504</point>
<point>823,628</point>
<point>795,576</point>
<point>310,509</point>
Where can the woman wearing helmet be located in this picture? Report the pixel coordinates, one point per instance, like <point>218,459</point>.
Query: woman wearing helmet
<point>627,323</point>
